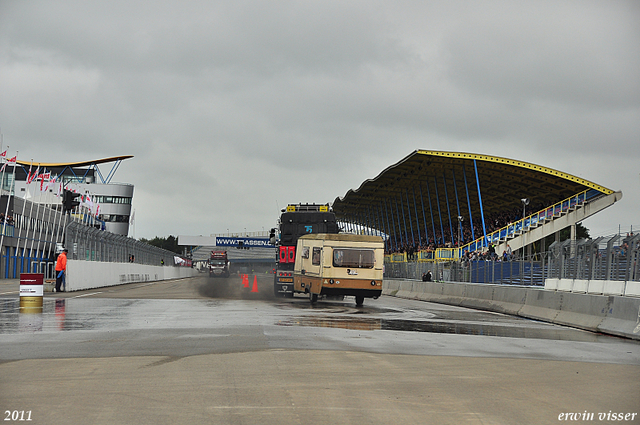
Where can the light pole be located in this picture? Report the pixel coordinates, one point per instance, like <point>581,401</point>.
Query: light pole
<point>460,219</point>
<point>525,202</point>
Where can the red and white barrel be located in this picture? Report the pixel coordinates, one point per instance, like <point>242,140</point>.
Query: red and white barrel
<point>31,290</point>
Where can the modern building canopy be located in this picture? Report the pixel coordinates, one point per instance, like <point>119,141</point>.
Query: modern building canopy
<point>426,192</point>
<point>85,177</point>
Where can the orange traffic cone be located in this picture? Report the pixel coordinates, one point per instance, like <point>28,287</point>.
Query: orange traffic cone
<point>245,280</point>
<point>255,284</point>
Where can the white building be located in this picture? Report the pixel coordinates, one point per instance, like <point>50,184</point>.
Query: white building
<point>114,199</point>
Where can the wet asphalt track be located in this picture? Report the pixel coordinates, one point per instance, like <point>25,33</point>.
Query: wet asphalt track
<point>272,346</point>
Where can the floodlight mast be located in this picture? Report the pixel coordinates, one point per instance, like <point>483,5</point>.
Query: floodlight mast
<point>525,202</point>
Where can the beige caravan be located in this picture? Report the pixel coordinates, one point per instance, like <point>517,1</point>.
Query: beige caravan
<point>339,264</point>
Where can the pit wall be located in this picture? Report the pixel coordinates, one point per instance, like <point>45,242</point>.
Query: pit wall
<point>94,274</point>
<point>609,314</point>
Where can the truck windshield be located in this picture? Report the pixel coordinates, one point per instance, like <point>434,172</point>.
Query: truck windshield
<point>218,262</point>
<point>353,258</point>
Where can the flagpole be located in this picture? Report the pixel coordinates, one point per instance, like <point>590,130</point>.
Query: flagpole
<point>44,211</point>
<point>132,222</point>
<point>33,240</point>
<point>1,191</point>
<point>4,157</point>
<point>47,241</point>
<point>60,193</point>
<point>46,235</point>
<point>24,204</point>
<point>24,247</point>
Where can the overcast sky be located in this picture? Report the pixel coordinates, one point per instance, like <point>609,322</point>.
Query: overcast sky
<point>233,109</point>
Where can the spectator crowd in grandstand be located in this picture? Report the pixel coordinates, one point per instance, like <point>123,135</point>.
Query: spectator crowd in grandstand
<point>412,244</point>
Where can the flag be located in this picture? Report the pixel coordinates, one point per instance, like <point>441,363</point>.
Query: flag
<point>88,202</point>
<point>132,219</point>
<point>3,154</point>
<point>12,160</point>
<point>50,181</point>
<point>33,176</point>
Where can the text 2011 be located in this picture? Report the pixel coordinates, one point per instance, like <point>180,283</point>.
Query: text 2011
<point>17,415</point>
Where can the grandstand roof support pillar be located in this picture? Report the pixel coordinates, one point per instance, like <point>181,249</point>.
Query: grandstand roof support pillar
<point>439,212</point>
<point>413,239</point>
<point>446,197</point>
<point>380,217</point>
<point>395,237</point>
<point>424,217</point>
<point>415,208</point>
<point>466,188</point>
<point>395,232</point>
<point>484,227</point>
<point>385,229</point>
<point>433,222</point>
<point>370,224</point>
<point>400,224</point>
<point>389,228</point>
<point>455,190</point>
<point>372,220</point>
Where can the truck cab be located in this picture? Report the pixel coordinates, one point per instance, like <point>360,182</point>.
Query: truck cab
<point>295,221</point>
<point>219,264</point>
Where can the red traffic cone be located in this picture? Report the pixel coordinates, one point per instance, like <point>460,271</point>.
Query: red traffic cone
<point>255,284</point>
<point>245,280</point>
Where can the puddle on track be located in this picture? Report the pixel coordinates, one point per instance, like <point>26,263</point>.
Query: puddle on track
<point>532,329</point>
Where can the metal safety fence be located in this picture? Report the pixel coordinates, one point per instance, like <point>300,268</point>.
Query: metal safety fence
<point>530,271</point>
<point>91,244</point>
<point>605,258</point>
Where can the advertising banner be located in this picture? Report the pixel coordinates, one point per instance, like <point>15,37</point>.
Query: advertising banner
<point>244,242</point>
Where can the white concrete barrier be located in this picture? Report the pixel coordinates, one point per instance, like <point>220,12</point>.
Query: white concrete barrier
<point>581,285</point>
<point>565,285</point>
<point>83,275</point>
<point>632,289</point>
<point>613,287</point>
<point>509,299</point>
<point>596,286</point>
<point>616,315</point>
<point>551,284</point>
<point>406,287</point>
<point>582,311</point>
<point>542,305</point>
<point>622,317</point>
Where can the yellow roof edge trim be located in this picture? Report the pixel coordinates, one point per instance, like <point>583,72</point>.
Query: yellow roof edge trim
<point>517,163</point>
<point>77,164</point>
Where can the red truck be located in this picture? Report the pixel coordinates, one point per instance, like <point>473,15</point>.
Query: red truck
<point>218,264</point>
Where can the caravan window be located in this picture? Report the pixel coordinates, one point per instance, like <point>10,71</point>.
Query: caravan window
<point>315,259</point>
<point>353,258</point>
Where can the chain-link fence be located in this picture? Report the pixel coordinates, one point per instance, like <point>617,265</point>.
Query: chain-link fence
<point>606,258</point>
<point>90,244</point>
<point>529,271</point>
